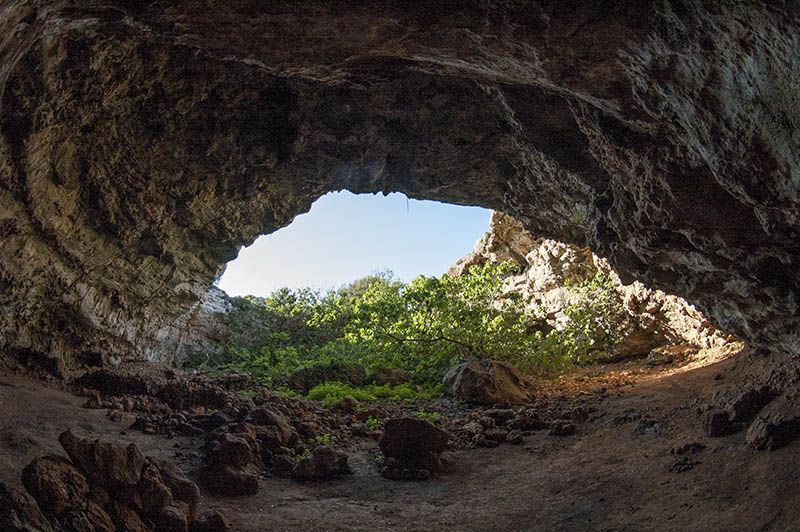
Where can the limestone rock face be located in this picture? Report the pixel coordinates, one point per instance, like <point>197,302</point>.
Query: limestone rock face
<point>648,318</point>
<point>142,143</point>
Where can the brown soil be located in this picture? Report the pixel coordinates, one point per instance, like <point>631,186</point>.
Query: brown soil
<point>618,472</point>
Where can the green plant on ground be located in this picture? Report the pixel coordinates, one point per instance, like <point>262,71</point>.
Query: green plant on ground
<point>324,439</point>
<point>433,417</point>
<point>374,424</point>
<point>332,393</point>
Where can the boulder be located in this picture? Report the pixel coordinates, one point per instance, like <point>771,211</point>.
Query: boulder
<point>152,493</point>
<point>324,462</point>
<point>98,518</point>
<point>486,382</point>
<point>750,402</point>
<point>109,464</point>
<point>266,417</point>
<point>229,480</point>
<point>171,518</point>
<point>125,518</point>
<point>412,443</point>
<point>774,431</point>
<point>231,463</point>
<point>20,513</point>
<point>183,489</point>
<point>56,484</point>
<point>775,427</point>
<point>210,521</point>
<point>718,422</point>
<point>230,450</point>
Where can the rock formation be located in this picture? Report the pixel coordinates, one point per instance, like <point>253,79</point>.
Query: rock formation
<point>141,144</point>
<point>548,270</point>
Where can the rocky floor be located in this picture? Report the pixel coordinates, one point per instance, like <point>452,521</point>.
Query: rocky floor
<point>641,459</point>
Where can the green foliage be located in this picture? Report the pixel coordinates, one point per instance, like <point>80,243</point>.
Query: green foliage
<point>423,328</point>
<point>593,332</point>
<point>374,424</point>
<point>332,393</point>
<point>433,417</point>
<point>324,439</point>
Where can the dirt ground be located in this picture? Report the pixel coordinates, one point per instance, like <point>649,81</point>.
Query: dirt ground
<point>616,473</point>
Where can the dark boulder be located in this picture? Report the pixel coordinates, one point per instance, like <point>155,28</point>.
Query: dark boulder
<point>109,464</point>
<point>486,382</point>
<point>324,462</point>
<point>210,521</point>
<point>413,444</point>
<point>56,484</point>
<point>20,513</point>
<point>774,431</point>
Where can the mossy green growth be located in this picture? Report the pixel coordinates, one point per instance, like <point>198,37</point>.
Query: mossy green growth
<point>332,393</point>
<point>433,417</point>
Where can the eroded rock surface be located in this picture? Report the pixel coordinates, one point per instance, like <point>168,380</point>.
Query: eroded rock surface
<point>486,382</point>
<point>103,487</point>
<point>646,319</point>
<point>142,144</point>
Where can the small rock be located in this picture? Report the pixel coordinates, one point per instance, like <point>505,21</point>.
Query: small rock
<point>349,403</point>
<point>229,480</point>
<point>773,432</point>
<point>281,465</point>
<point>487,422</point>
<point>515,437</point>
<point>473,427</point>
<point>500,415</point>
<point>688,448</point>
<point>562,428</point>
<point>210,521</point>
<point>748,404</point>
<point>324,462</point>
<point>683,465</point>
<point>498,435</point>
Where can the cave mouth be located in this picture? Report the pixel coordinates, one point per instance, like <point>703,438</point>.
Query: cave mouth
<point>345,236</point>
<point>270,299</point>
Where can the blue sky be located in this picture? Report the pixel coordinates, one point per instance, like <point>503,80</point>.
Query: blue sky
<point>346,236</point>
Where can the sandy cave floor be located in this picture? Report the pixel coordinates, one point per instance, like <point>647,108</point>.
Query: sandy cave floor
<point>616,473</point>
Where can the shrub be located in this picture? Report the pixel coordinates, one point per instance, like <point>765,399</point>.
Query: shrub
<point>332,393</point>
<point>422,328</point>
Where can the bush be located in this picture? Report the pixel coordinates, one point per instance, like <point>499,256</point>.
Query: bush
<point>422,328</point>
<point>332,393</point>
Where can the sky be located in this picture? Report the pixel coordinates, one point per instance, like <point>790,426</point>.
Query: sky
<point>346,236</point>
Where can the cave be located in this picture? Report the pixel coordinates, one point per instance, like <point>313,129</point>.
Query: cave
<point>143,143</point>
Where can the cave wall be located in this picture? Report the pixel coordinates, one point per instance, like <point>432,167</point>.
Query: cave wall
<point>142,143</point>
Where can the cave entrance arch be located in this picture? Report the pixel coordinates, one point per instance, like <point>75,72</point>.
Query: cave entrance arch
<point>345,236</point>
